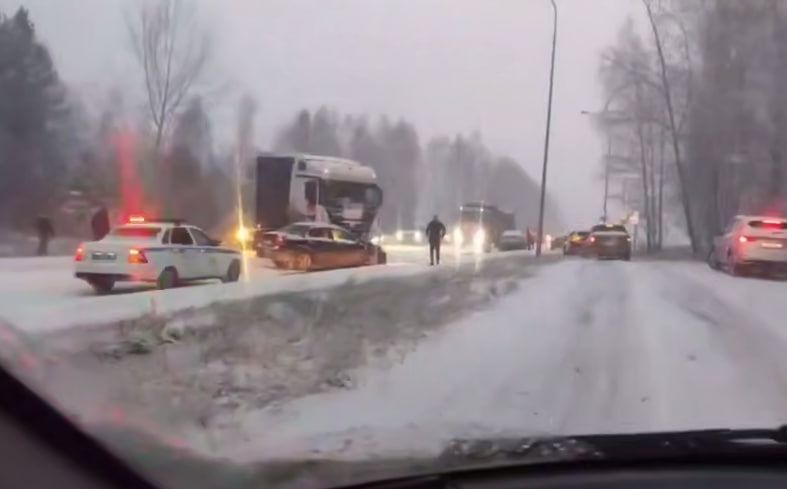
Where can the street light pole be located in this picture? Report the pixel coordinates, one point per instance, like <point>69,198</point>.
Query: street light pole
<point>540,239</point>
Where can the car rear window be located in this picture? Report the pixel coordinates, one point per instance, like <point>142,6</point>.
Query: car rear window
<point>136,232</point>
<point>295,229</point>
<point>610,227</point>
<point>775,225</point>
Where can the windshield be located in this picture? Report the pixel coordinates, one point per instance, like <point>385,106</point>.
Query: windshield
<point>281,235</point>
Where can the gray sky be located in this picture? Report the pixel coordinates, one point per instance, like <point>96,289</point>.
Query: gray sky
<point>447,65</point>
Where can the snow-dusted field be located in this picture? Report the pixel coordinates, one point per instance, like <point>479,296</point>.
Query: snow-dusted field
<point>386,361</point>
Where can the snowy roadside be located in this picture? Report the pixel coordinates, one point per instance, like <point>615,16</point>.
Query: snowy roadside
<point>184,371</point>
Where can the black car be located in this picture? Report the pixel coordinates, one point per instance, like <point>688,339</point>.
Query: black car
<point>609,241</point>
<point>318,246</point>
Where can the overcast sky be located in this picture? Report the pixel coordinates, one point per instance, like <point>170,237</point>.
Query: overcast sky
<point>449,66</point>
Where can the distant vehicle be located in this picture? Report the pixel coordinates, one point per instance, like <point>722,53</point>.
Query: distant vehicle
<point>296,188</point>
<point>310,246</point>
<point>609,241</point>
<point>751,243</point>
<point>512,240</point>
<point>409,237</point>
<point>575,243</point>
<point>164,252</point>
<point>481,226</point>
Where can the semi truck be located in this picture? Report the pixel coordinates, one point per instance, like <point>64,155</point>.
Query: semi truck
<point>481,226</point>
<point>300,187</point>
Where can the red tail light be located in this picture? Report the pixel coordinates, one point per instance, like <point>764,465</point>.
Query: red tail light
<point>746,239</point>
<point>592,239</point>
<point>80,254</point>
<point>136,256</point>
<point>280,240</point>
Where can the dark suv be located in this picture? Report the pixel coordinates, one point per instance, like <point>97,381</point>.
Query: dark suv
<point>610,241</point>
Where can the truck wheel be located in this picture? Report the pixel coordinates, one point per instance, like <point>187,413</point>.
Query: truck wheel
<point>168,279</point>
<point>233,272</point>
<point>101,285</point>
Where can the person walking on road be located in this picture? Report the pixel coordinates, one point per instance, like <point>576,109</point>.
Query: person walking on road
<point>531,239</point>
<point>100,223</point>
<point>435,231</point>
<point>45,232</point>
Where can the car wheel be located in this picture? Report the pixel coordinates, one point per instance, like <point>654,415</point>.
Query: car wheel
<point>233,272</point>
<point>304,262</point>
<point>101,285</point>
<point>712,261</point>
<point>733,268</point>
<point>167,279</point>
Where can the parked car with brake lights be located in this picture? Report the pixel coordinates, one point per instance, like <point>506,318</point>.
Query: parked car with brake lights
<point>749,244</point>
<point>308,246</point>
<point>164,252</point>
<point>611,241</point>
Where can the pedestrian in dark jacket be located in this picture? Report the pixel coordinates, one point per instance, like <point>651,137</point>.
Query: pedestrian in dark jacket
<point>45,232</point>
<point>100,223</point>
<point>435,231</point>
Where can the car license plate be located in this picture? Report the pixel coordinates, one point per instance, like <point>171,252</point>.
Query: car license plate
<point>769,244</point>
<point>101,256</point>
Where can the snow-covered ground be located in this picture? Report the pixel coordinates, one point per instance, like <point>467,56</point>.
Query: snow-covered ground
<point>584,347</point>
<point>41,294</point>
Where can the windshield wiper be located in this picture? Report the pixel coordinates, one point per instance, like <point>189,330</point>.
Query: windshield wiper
<point>718,443</point>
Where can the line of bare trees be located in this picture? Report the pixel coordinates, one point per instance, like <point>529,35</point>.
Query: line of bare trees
<point>695,114</point>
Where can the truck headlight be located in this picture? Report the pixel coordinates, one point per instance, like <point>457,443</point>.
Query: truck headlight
<point>479,238</point>
<point>400,235</point>
<point>458,236</point>
<point>418,237</point>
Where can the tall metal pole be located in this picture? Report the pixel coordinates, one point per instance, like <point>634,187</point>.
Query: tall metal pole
<point>546,137</point>
<point>606,176</point>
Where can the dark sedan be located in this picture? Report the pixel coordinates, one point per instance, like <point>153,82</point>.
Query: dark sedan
<point>319,246</point>
<point>610,241</point>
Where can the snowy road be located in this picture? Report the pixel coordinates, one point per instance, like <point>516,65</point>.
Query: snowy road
<point>583,347</point>
<point>38,293</point>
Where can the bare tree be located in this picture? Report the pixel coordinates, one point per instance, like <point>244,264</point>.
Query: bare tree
<point>173,52</point>
<point>666,89</point>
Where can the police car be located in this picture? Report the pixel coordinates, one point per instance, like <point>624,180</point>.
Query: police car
<point>164,252</point>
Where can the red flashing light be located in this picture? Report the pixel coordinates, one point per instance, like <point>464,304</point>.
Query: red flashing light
<point>136,219</point>
<point>80,254</point>
<point>136,256</point>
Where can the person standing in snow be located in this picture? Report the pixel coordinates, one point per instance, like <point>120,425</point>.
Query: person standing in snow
<point>100,223</point>
<point>435,231</point>
<point>45,232</point>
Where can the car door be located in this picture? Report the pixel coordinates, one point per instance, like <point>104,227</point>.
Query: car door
<point>350,251</point>
<point>319,242</point>
<point>185,255</point>
<point>207,259</point>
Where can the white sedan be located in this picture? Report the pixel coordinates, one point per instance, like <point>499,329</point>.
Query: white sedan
<point>751,243</point>
<point>162,252</point>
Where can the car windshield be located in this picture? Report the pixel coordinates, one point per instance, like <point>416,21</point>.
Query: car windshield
<point>135,232</point>
<point>314,242</point>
